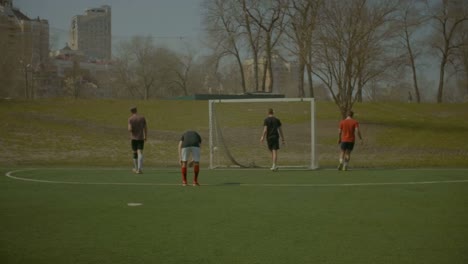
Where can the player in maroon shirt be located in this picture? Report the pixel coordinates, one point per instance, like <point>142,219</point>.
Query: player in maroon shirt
<point>138,134</point>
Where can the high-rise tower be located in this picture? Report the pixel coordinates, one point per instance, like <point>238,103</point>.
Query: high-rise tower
<point>91,33</point>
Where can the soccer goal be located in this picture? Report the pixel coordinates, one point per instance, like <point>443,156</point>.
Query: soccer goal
<point>236,126</point>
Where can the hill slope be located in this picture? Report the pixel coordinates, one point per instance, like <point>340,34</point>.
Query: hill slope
<point>93,133</point>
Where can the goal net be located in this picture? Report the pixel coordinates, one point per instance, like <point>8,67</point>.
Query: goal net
<point>236,126</point>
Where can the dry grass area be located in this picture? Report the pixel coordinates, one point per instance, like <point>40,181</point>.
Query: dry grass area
<point>93,133</point>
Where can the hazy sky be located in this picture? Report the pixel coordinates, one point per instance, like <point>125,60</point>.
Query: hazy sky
<point>162,19</point>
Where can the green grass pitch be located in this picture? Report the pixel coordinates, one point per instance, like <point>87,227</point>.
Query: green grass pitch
<point>103,215</point>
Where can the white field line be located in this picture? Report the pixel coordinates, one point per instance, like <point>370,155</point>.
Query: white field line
<point>10,175</point>
<point>299,168</point>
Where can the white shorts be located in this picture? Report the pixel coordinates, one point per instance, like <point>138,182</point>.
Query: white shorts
<point>195,153</point>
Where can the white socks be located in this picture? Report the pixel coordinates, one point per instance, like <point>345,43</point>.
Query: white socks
<point>140,161</point>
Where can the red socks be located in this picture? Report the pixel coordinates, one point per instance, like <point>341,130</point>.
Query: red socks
<point>184,174</point>
<point>196,169</point>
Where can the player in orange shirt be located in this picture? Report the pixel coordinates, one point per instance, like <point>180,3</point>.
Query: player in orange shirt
<point>346,139</point>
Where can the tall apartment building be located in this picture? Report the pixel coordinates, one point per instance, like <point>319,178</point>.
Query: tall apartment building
<point>91,33</point>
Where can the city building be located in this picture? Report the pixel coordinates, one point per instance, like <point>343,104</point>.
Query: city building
<point>93,77</point>
<point>285,77</point>
<point>91,33</point>
<point>25,43</point>
<point>29,36</point>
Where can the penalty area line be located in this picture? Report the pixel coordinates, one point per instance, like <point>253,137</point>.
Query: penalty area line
<point>350,184</point>
<point>11,176</point>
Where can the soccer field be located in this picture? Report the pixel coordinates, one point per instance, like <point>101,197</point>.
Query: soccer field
<point>103,215</point>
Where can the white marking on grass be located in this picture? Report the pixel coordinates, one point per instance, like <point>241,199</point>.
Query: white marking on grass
<point>349,184</point>
<point>10,175</point>
<point>134,204</point>
<point>433,169</point>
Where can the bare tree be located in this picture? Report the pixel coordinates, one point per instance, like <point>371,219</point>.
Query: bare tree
<point>223,23</point>
<point>269,17</point>
<point>169,68</point>
<point>182,72</point>
<point>464,58</point>
<point>351,47</point>
<point>134,65</point>
<point>254,36</point>
<point>411,19</point>
<point>460,59</point>
<point>246,28</point>
<point>450,16</point>
<point>302,22</point>
<point>73,80</point>
<point>125,75</point>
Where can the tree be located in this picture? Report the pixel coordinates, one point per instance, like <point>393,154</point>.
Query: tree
<point>183,73</point>
<point>73,80</point>
<point>411,19</point>
<point>147,71</point>
<point>135,64</point>
<point>268,17</point>
<point>449,17</point>
<point>223,24</point>
<point>253,35</point>
<point>460,59</point>
<point>350,51</point>
<point>246,28</point>
<point>464,58</point>
<point>302,22</point>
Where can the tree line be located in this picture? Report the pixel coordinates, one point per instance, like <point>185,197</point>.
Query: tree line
<point>350,47</point>
<point>349,51</point>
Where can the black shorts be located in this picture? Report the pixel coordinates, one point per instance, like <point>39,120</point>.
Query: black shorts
<point>137,144</point>
<point>273,143</point>
<point>347,146</point>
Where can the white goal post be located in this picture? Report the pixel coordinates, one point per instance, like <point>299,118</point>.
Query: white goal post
<point>236,125</point>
